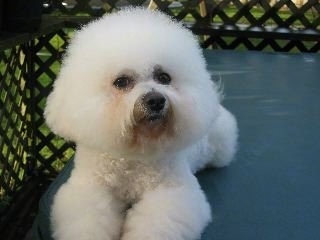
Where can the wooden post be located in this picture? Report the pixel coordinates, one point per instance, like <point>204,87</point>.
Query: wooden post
<point>152,5</point>
<point>203,8</point>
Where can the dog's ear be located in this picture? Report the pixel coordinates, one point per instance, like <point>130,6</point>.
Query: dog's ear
<point>58,112</point>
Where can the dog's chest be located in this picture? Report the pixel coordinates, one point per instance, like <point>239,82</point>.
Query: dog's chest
<point>128,180</point>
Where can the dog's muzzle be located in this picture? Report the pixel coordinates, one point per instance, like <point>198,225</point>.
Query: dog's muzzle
<point>153,119</point>
<point>151,107</point>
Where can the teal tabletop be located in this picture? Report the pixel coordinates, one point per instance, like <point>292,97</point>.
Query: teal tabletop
<point>271,191</point>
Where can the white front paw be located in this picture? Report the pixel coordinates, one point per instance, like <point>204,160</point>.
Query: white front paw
<point>168,214</point>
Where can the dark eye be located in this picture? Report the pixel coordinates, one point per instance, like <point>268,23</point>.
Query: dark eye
<point>123,82</point>
<point>163,78</point>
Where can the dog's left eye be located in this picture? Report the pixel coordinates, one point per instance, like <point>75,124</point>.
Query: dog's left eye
<point>123,82</point>
<point>163,78</point>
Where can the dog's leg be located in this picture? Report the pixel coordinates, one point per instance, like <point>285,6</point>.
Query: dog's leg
<point>223,139</point>
<point>171,213</point>
<point>85,211</point>
<point>216,149</point>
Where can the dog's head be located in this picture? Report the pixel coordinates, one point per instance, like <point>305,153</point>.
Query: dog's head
<point>133,82</point>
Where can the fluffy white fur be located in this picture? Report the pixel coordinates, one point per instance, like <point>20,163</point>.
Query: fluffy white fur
<point>134,180</point>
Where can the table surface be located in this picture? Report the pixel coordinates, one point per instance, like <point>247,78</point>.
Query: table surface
<point>271,191</point>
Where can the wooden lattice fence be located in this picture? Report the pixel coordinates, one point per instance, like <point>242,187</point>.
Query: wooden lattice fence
<point>29,153</point>
<point>282,25</point>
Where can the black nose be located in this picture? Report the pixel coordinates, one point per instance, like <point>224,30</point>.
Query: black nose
<point>154,101</point>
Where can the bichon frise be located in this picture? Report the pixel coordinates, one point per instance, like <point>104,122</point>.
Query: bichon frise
<point>136,98</point>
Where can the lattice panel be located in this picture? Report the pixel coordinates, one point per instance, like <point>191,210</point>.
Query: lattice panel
<point>181,10</point>
<point>268,15</point>
<point>258,44</point>
<point>50,151</point>
<point>14,121</point>
<point>281,13</point>
<point>90,7</point>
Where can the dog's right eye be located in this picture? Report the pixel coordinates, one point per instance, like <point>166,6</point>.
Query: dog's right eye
<point>123,83</point>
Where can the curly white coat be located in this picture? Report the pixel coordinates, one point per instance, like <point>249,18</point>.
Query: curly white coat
<point>145,189</point>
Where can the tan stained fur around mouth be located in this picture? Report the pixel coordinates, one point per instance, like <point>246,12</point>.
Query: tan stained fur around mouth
<point>145,130</point>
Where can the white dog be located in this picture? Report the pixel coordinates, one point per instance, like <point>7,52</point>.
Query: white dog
<point>135,96</point>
